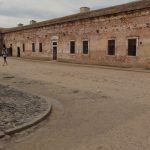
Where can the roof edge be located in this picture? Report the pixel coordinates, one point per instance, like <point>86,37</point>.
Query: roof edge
<point>132,6</point>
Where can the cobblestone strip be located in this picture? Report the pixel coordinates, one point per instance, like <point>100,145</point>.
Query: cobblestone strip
<point>31,123</point>
<point>20,110</point>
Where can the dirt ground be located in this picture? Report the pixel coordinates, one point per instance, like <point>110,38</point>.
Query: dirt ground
<point>93,108</point>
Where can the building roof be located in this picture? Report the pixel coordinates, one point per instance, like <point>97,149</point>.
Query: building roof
<point>133,6</point>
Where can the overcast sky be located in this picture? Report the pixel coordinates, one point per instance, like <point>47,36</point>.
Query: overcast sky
<point>13,12</point>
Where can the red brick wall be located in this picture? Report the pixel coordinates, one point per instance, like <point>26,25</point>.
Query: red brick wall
<point>97,31</point>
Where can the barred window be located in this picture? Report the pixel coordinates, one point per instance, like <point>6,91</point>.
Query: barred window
<point>33,47</point>
<point>132,45</point>
<point>85,47</point>
<point>111,47</point>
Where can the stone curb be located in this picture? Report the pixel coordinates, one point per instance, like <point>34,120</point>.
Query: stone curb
<point>29,124</point>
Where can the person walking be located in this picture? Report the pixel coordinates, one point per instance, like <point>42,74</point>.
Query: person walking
<point>4,54</point>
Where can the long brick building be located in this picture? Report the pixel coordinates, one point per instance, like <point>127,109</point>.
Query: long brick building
<point>116,36</point>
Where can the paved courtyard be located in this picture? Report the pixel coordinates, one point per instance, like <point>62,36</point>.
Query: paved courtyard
<point>93,108</point>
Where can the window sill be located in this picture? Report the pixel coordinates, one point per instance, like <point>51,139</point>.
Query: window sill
<point>85,54</point>
<point>131,56</point>
<point>111,55</point>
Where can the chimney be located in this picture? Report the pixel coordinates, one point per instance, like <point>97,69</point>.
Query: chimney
<point>32,22</point>
<point>20,25</point>
<point>84,9</point>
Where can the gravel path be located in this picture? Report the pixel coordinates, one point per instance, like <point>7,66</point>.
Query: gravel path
<point>17,108</point>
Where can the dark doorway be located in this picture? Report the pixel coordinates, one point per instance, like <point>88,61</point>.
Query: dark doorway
<point>9,50</point>
<point>132,44</point>
<point>55,53</point>
<point>18,51</point>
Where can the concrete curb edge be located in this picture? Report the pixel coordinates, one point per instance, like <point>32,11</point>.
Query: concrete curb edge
<point>31,123</point>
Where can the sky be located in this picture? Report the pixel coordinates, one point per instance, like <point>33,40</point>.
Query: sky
<point>13,12</point>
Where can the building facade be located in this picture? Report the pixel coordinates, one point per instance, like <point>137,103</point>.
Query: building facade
<point>114,36</point>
